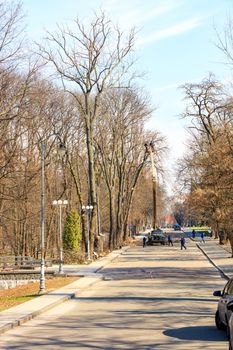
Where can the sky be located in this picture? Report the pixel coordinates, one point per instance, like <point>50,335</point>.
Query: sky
<point>175,44</point>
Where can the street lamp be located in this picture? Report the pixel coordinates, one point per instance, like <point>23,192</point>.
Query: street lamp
<point>62,151</point>
<point>87,209</point>
<point>42,263</point>
<point>151,150</point>
<point>61,203</point>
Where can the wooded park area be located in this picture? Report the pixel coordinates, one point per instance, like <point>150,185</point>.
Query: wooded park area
<point>78,86</point>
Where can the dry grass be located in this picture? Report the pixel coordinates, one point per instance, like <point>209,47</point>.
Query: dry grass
<point>20,294</point>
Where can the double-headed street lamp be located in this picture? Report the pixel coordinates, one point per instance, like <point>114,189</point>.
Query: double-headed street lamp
<point>60,203</point>
<point>62,151</point>
<point>151,150</point>
<point>88,209</point>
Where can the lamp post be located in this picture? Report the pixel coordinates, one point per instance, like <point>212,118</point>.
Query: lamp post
<point>60,203</point>
<point>151,150</point>
<point>42,263</point>
<point>87,209</point>
<point>62,151</point>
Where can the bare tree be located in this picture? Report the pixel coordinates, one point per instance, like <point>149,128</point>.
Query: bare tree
<point>207,168</point>
<point>120,140</point>
<point>89,60</point>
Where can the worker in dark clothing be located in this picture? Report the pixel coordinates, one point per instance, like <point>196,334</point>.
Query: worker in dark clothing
<point>193,234</point>
<point>202,237</point>
<point>170,242</point>
<point>182,243</point>
<point>144,242</point>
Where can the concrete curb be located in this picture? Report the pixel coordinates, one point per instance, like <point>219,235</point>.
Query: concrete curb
<point>24,312</point>
<point>213,263</point>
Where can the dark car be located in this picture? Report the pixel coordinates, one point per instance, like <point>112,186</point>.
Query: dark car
<point>177,227</point>
<point>230,324</point>
<point>156,237</point>
<point>223,313</point>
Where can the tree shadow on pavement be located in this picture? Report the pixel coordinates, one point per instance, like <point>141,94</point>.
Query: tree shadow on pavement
<point>177,273</point>
<point>202,333</point>
<point>140,299</point>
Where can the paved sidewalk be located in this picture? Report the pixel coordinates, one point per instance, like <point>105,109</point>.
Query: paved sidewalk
<point>218,256</point>
<point>83,270</point>
<point>19,314</point>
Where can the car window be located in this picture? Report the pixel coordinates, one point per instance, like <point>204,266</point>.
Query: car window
<point>230,288</point>
<point>227,287</point>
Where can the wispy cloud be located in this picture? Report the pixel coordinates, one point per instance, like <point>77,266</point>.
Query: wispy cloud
<point>141,16</point>
<point>168,87</point>
<point>171,31</point>
<point>138,13</point>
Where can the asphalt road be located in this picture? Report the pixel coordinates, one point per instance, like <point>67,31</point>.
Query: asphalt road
<point>156,297</point>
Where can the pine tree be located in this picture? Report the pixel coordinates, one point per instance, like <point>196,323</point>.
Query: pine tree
<point>72,232</point>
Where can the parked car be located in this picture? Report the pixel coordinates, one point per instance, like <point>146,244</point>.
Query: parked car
<point>230,324</point>
<point>177,227</point>
<point>156,237</point>
<point>223,312</point>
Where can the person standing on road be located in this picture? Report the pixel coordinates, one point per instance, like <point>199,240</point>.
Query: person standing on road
<point>193,234</point>
<point>182,243</point>
<point>202,237</point>
<point>170,242</point>
<point>144,242</point>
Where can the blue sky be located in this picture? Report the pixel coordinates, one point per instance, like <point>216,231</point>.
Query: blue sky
<point>175,44</point>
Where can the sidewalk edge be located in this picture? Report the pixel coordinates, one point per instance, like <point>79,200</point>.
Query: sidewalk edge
<point>213,263</point>
<point>23,319</point>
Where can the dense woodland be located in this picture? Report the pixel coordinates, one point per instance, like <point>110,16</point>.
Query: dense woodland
<point>77,87</point>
